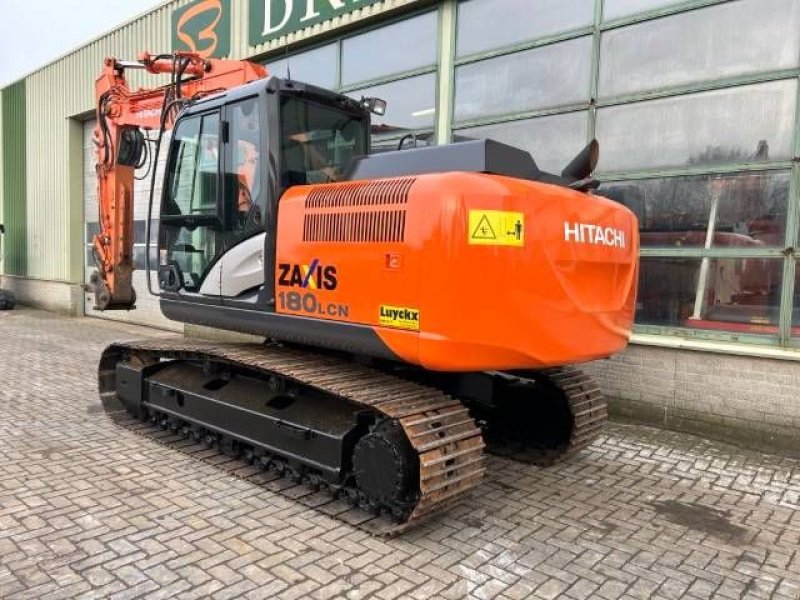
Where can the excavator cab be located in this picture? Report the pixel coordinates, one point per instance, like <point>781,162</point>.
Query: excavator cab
<point>231,158</point>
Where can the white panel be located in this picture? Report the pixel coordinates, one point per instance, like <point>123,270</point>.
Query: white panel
<point>62,90</point>
<point>47,160</point>
<point>240,269</point>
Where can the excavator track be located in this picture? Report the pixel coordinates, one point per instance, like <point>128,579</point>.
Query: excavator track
<point>587,404</point>
<point>568,387</point>
<point>446,440</point>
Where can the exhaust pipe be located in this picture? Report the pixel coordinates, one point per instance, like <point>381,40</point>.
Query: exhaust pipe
<point>583,164</point>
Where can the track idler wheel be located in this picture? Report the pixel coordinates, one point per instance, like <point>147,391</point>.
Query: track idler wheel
<point>386,469</point>
<point>543,416</point>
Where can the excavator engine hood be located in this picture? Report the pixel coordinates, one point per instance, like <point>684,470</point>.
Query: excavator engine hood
<point>463,270</point>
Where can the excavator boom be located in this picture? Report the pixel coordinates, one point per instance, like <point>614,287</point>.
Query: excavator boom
<point>123,115</point>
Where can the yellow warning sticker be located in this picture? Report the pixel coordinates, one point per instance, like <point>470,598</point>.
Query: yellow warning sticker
<point>496,228</point>
<point>400,317</point>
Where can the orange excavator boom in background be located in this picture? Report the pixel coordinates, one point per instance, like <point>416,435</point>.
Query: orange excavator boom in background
<point>417,305</point>
<point>122,117</point>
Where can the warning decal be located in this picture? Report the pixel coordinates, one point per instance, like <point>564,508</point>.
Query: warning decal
<point>496,228</point>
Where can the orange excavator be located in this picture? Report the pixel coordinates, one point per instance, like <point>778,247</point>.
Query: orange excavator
<point>416,305</point>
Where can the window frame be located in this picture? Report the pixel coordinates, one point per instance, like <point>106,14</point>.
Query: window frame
<point>176,223</point>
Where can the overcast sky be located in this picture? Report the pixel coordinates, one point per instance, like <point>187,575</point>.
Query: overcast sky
<point>34,32</point>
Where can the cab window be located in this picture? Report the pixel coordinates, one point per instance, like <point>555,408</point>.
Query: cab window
<point>243,169</point>
<point>194,168</point>
<point>189,216</point>
<point>318,141</point>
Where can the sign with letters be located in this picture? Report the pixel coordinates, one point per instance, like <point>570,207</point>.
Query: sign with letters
<point>203,26</point>
<point>270,19</point>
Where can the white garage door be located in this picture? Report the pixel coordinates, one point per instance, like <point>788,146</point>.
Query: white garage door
<point>147,311</point>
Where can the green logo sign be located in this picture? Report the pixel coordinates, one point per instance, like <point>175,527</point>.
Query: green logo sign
<point>203,26</point>
<point>270,19</point>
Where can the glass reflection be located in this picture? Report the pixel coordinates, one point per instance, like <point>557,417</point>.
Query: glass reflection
<point>711,43</point>
<point>403,46</point>
<point>751,123</point>
<point>614,9</point>
<point>544,77</point>
<point>317,66</point>
<point>487,24</point>
<point>738,295</point>
<point>411,105</point>
<point>746,210</point>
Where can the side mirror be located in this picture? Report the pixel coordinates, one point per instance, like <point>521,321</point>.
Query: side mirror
<point>374,105</point>
<point>2,228</point>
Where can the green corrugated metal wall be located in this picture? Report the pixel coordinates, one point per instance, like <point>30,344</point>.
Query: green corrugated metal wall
<point>14,182</point>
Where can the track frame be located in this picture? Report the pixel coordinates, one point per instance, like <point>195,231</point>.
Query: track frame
<point>439,428</point>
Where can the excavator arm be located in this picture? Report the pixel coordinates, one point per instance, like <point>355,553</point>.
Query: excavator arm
<point>123,115</point>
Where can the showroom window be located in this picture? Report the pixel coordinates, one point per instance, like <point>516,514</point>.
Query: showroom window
<point>317,66</point>
<point>695,106</point>
<point>546,77</point>
<point>405,75</point>
<point>523,74</point>
<point>485,25</point>
<point>738,210</point>
<point>696,129</point>
<point>729,40</point>
<point>707,93</point>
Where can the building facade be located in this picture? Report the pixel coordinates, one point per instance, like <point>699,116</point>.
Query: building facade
<point>694,103</point>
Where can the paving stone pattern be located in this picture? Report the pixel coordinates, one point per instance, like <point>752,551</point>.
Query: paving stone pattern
<point>92,511</point>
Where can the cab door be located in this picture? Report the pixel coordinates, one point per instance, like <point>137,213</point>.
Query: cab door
<point>241,268</point>
<point>213,234</point>
<point>191,224</point>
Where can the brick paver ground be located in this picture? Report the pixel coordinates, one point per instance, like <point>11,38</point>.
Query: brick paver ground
<point>90,510</point>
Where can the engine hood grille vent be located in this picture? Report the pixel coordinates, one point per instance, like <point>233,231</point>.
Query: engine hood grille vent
<point>360,211</point>
<point>360,193</point>
<point>361,226</point>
